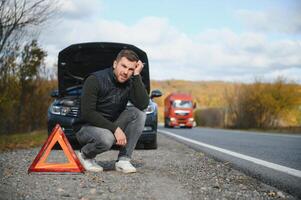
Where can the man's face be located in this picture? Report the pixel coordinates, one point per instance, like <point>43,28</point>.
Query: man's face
<point>124,69</point>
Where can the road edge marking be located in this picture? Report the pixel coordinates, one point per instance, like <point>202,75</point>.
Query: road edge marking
<point>287,170</point>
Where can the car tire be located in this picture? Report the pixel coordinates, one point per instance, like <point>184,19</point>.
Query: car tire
<point>151,145</point>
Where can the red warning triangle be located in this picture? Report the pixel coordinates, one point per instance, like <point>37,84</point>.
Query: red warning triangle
<point>40,165</point>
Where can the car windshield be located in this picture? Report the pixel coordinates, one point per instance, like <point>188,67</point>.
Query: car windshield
<point>182,104</point>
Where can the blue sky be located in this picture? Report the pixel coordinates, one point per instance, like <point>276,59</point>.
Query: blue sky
<point>193,16</point>
<point>211,40</point>
<point>189,17</point>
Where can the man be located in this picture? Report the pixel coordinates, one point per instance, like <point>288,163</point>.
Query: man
<point>105,118</point>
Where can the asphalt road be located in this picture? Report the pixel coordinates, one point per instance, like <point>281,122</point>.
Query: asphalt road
<point>273,158</point>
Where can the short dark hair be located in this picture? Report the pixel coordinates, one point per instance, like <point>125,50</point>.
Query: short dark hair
<point>129,54</point>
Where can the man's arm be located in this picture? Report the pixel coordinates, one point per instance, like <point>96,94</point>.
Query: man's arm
<point>88,105</point>
<point>138,94</point>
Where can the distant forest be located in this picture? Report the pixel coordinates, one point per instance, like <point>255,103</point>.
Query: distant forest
<point>238,105</point>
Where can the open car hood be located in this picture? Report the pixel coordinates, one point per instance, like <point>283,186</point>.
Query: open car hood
<point>77,61</point>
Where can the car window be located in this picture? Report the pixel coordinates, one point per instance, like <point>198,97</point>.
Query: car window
<point>182,104</point>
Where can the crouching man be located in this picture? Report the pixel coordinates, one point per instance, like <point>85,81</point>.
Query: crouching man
<point>105,118</point>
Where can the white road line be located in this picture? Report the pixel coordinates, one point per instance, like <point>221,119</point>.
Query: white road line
<point>264,163</point>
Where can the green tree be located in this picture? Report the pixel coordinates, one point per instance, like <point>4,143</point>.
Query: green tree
<point>22,89</point>
<point>263,105</point>
<point>9,90</point>
<point>32,60</point>
<point>17,17</point>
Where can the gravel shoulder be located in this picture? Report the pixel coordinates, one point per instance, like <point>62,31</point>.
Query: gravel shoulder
<point>173,171</point>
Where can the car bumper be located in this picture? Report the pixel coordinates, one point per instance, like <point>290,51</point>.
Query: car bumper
<point>181,124</point>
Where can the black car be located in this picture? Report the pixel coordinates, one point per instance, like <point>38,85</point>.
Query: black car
<point>74,64</point>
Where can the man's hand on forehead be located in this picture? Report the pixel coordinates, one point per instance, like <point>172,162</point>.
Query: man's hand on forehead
<point>139,67</point>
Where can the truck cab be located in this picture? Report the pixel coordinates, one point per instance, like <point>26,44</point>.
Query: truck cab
<point>178,110</point>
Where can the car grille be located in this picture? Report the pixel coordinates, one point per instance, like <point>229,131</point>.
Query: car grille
<point>182,120</point>
<point>182,114</point>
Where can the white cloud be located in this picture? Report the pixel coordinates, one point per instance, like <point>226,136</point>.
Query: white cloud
<point>210,55</point>
<point>279,21</point>
<point>78,9</point>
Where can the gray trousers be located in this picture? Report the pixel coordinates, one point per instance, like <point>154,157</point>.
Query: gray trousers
<point>97,140</point>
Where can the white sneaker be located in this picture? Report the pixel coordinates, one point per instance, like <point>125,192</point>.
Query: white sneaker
<point>125,166</point>
<point>89,164</point>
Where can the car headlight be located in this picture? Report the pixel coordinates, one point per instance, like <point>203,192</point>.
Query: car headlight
<point>60,110</point>
<point>150,109</point>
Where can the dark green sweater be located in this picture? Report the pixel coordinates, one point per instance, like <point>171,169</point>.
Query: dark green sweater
<point>89,115</point>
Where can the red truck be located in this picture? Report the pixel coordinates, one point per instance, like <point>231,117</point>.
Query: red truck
<point>178,110</point>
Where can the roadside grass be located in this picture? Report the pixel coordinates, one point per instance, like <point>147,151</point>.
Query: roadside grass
<point>22,140</point>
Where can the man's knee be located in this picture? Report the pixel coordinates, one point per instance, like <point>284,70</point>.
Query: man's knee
<point>106,142</point>
<point>139,115</point>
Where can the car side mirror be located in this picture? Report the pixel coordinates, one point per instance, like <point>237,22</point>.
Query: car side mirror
<point>54,93</point>
<point>156,93</point>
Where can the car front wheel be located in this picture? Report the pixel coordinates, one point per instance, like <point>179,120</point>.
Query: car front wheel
<point>151,145</point>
